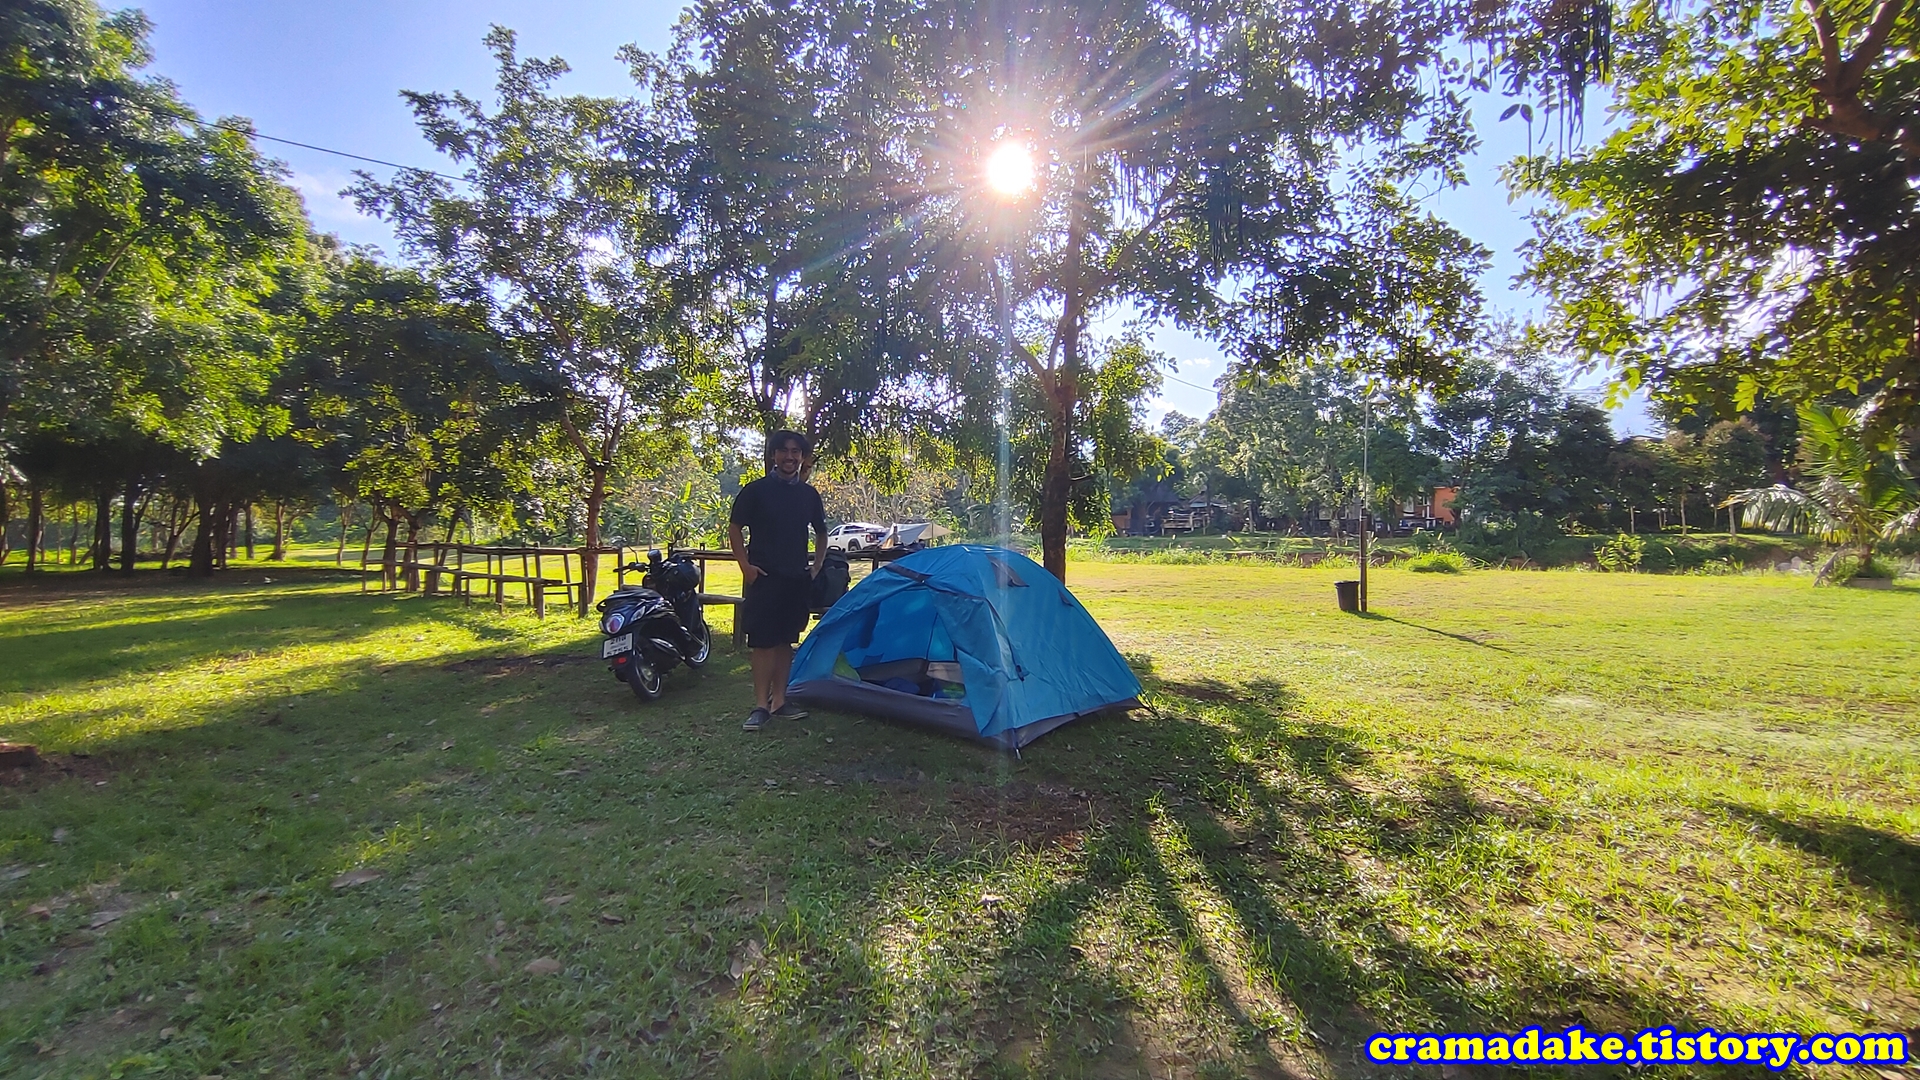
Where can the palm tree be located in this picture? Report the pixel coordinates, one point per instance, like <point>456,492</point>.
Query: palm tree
<point>1861,491</point>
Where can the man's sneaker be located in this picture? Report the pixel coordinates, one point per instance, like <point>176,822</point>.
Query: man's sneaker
<point>790,711</point>
<point>756,720</point>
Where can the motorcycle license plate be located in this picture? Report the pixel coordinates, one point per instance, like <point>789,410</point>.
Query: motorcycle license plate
<point>616,646</point>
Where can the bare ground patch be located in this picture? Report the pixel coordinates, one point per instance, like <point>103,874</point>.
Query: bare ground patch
<point>1031,815</point>
<point>53,768</point>
<point>496,666</point>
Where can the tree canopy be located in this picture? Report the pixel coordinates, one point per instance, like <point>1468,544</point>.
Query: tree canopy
<point>793,220</point>
<point>1747,229</point>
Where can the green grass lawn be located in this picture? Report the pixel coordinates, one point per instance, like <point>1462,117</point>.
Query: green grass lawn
<point>1505,798</point>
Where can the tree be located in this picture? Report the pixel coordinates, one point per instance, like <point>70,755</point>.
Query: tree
<point>1528,457</point>
<point>1292,445</point>
<point>72,116</point>
<point>1861,493</point>
<point>831,307</point>
<point>1749,222</point>
<point>412,397</point>
<point>148,261</point>
<point>1108,440</point>
<point>139,251</point>
<point>1189,168</point>
<point>1632,478</point>
<point>1734,458</point>
<point>567,233</point>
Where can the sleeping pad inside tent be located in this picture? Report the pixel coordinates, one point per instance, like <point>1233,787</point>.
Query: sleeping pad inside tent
<point>977,641</point>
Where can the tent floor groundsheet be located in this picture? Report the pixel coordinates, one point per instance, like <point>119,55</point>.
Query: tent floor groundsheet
<point>952,717</point>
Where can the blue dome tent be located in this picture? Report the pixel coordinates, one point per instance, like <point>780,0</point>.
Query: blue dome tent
<point>976,641</point>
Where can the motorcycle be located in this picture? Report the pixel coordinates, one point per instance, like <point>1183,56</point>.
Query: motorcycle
<point>654,625</point>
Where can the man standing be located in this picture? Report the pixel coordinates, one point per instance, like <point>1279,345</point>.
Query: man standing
<point>769,534</point>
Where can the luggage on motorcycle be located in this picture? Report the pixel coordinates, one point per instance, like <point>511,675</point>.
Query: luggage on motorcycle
<point>675,575</point>
<point>836,575</point>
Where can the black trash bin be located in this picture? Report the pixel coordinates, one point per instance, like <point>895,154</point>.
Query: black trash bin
<point>1349,593</point>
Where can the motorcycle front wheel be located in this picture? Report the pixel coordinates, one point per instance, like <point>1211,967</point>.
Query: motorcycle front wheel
<point>645,680</point>
<point>702,644</point>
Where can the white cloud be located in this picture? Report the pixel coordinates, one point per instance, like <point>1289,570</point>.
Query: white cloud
<point>332,212</point>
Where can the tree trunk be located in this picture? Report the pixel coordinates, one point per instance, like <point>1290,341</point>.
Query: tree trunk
<point>129,527</point>
<point>73,535</point>
<point>200,562</point>
<point>366,542</point>
<point>6,523</point>
<point>390,551</point>
<point>102,530</point>
<point>1056,486</point>
<point>174,533</point>
<point>340,553</point>
<point>249,532</point>
<point>590,561</point>
<point>279,532</point>
<point>413,551</point>
<point>36,528</point>
<point>1056,489</point>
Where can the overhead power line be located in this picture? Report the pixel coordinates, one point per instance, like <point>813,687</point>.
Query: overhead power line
<point>253,134</point>
<point>1195,385</point>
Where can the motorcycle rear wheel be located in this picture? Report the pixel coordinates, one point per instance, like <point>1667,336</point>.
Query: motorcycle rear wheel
<point>645,680</point>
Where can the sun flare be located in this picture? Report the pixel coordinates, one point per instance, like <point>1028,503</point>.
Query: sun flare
<point>1010,169</point>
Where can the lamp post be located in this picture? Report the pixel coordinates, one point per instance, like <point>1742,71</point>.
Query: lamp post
<point>1009,176</point>
<point>1366,489</point>
<point>1003,471</point>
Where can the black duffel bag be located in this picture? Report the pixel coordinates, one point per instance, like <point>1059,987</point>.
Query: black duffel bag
<point>833,581</point>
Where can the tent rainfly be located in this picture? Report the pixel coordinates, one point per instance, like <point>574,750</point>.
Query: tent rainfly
<point>914,532</point>
<point>976,641</point>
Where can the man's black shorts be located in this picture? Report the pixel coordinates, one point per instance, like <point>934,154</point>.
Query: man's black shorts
<point>775,609</point>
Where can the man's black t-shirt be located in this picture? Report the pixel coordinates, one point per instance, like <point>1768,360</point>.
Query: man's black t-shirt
<point>776,515</point>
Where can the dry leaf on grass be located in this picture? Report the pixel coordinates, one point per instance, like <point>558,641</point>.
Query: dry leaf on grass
<point>103,918</point>
<point>546,965</point>
<point>556,901</point>
<point>746,959</point>
<point>358,877</point>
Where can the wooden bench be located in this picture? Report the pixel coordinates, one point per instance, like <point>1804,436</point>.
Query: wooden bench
<point>537,587</point>
<point>708,599</point>
<point>423,572</point>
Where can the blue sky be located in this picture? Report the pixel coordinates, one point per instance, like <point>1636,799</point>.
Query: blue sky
<point>331,73</point>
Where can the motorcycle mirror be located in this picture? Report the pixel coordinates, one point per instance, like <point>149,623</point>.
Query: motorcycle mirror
<point>653,555</point>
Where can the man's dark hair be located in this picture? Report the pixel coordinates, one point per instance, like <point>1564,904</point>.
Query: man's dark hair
<point>782,438</point>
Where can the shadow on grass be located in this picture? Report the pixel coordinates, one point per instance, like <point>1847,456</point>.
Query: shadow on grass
<point>1247,899</point>
<point>1304,841</point>
<point>1876,860</point>
<point>1375,616</point>
<point>137,628</point>
<point>17,586</point>
<point>214,841</point>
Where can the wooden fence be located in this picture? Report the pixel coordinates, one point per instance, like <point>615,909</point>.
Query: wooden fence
<point>536,572</point>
